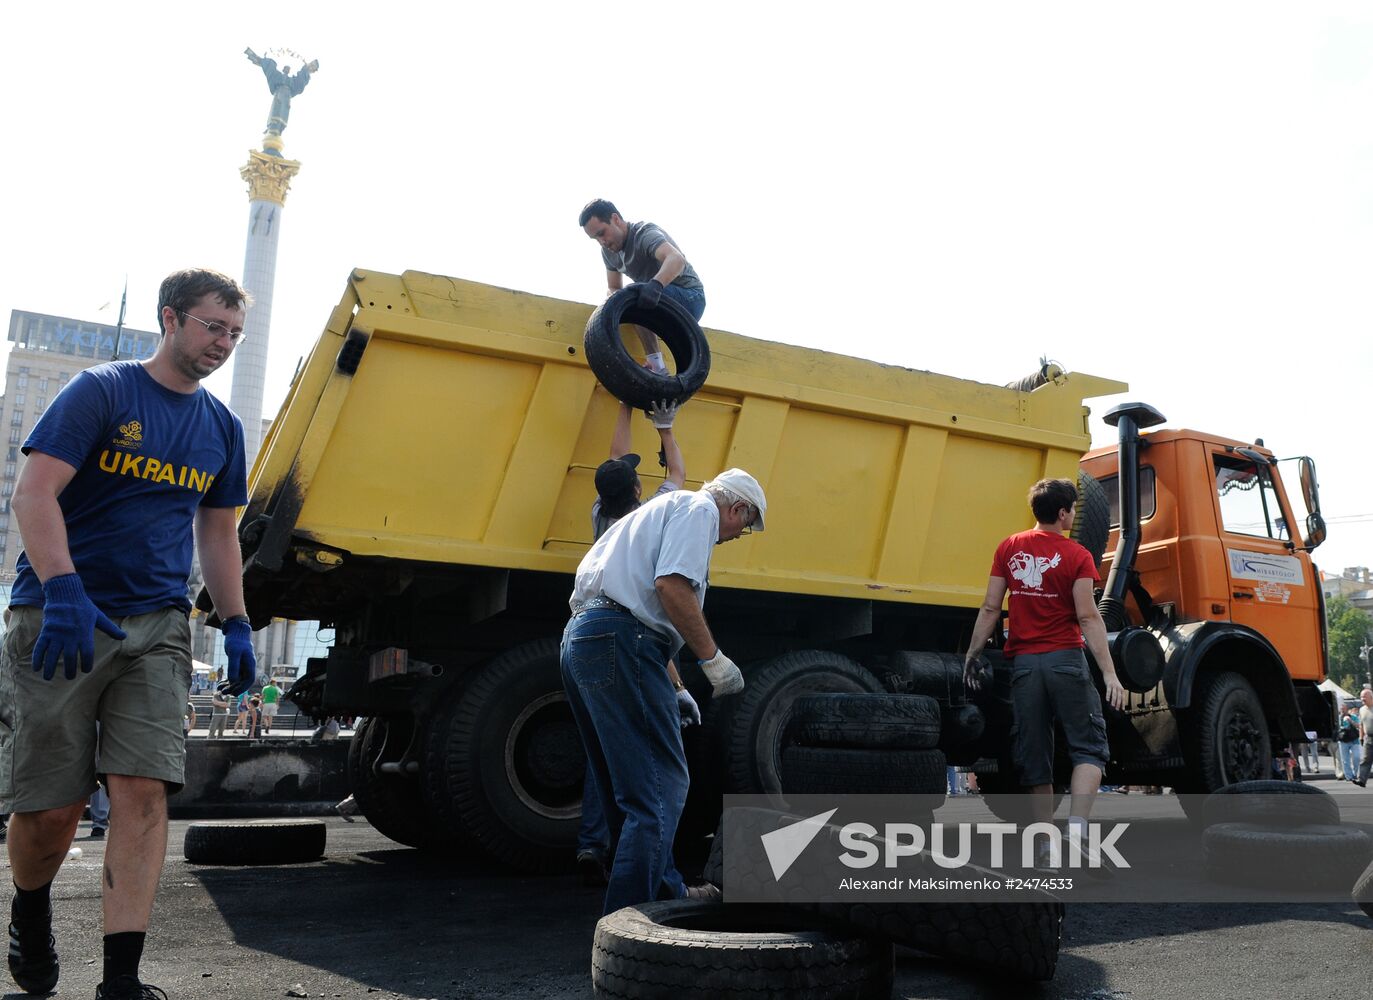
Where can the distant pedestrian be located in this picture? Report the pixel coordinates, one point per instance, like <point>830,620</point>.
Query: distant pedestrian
<point>1308,755</point>
<point>241,717</point>
<point>1366,735</point>
<point>221,704</point>
<point>188,720</point>
<point>271,696</point>
<point>1347,745</point>
<point>99,805</point>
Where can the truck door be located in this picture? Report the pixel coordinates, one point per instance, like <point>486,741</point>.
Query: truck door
<point>1272,589</point>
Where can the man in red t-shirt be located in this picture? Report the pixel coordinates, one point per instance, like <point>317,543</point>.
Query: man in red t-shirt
<point>1050,581</point>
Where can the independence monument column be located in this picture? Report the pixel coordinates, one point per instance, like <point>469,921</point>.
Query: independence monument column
<point>268,174</point>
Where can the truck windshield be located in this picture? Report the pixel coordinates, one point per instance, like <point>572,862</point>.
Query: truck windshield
<point>1248,500</point>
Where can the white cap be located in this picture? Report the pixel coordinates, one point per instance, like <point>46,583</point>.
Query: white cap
<point>741,484</point>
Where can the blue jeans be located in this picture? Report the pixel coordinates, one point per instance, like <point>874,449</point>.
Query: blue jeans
<point>100,808</point>
<point>593,834</point>
<point>1349,759</point>
<point>692,299</point>
<point>615,673</point>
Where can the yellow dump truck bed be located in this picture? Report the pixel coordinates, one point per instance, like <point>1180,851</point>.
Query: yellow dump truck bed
<point>471,428</point>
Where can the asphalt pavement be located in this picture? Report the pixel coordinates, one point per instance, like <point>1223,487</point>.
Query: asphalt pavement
<point>374,920</point>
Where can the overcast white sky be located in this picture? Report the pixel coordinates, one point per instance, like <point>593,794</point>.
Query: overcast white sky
<point>1176,195</point>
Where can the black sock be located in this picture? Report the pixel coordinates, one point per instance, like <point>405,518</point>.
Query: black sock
<point>31,904</point>
<point>122,954</point>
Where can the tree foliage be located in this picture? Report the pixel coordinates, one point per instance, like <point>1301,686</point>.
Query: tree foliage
<point>1349,628</point>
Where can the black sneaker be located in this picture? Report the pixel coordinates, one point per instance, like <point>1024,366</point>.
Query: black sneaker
<point>128,988</point>
<point>33,958</point>
<point>97,833</point>
<point>591,866</point>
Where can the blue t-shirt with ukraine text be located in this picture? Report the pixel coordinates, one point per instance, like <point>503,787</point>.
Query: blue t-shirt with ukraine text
<point>145,457</point>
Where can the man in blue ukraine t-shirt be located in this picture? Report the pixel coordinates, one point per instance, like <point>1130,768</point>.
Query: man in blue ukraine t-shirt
<point>130,460</point>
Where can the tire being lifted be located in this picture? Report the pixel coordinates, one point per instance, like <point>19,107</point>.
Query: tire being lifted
<point>692,948</point>
<point>259,842</point>
<point>617,369</point>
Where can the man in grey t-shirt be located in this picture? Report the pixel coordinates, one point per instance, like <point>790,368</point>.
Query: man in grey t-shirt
<point>650,257</point>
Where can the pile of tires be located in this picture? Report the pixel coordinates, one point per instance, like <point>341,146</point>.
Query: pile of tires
<point>865,743</point>
<point>1280,835</point>
<point>1018,941</point>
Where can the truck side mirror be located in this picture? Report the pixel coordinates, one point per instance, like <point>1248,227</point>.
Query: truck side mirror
<point>1310,491</point>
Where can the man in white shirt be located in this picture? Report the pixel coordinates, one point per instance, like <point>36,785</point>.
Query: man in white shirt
<point>638,597</point>
<point>1366,724</point>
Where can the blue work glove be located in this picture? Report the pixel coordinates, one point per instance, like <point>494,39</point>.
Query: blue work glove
<point>69,624</point>
<point>238,647</point>
<point>649,293</point>
<point>686,705</point>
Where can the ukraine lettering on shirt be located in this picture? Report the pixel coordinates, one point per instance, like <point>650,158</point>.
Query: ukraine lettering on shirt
<point>155,470</point>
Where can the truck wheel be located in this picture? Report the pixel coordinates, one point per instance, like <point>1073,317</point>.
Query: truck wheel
<point>1298,857</point>
<point>841,770</point>
<point>867,721</point>
<point>1092,520</point>
<point>616,368</point>
<point>507,756</point>
<point>393,803</point>
<point>694,948</point>
<point>1271,803</point>
<point>256,842</point>
<point>1007,799</point>
<point>1363,891</point>
<point>763,712</point>
<point>1229,734</point>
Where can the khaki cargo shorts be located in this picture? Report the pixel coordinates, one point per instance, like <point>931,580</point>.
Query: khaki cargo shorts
<point>137,692</point>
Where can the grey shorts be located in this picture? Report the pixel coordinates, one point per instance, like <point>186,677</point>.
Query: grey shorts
<point>1049,687</point>
<point>137,692</point>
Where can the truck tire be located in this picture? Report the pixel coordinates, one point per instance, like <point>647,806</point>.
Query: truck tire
<point>1271,803</point>
<point>1228,734</point>
<point>617,369</point>
<point>1362,892</point>
<point>841,770</point>
<point>393,803</point>
<point>1092,519</point>
<point>693,948</point>
<point>256,842</point>
<point>867,721</point>
<point>1008,800</point>
<point>1298,857</point>
<point>763,712</point>
<point>506,755</point>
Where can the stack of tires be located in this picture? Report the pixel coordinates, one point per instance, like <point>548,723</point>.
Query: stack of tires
<point>1281,835</point>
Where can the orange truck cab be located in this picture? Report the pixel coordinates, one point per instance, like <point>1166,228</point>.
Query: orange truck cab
<point>1214,606</point>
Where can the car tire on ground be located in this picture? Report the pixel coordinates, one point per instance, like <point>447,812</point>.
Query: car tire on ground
<point>692,948</point>
<point>1363,890</point>
<point>626,378</point>
<point>255,842</point>
<point>1297,857</point>
<point>762,714</point>
<point>867,721</point>
<point>1271,803</point>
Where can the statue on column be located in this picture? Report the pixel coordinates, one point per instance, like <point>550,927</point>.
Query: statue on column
<point>283,86</point>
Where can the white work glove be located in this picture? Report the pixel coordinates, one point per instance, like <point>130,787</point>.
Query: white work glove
<point>723,675</point>
<point>662,413</point>
<point>691,712</point>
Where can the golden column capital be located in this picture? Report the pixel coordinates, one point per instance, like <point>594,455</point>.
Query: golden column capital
<point>268,177</point>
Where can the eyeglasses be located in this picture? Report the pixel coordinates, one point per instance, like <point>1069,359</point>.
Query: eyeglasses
<point>217,330</point>
<point>752,519</point>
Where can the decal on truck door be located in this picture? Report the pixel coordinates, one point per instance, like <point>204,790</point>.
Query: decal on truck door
<point>1264,567</point>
